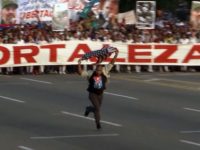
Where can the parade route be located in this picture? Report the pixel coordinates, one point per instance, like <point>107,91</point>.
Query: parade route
<point>148,111</point>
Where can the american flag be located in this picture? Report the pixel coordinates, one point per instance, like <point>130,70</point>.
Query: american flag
<point>105,51</point>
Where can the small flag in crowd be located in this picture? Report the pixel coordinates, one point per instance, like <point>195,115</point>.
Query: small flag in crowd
<point>88,8</point>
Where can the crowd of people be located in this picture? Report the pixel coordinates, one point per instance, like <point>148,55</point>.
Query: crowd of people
<point>167,30</point>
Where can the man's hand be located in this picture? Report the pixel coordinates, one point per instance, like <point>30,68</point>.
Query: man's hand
<point>79,67</point>
<point>115,57</point>
<point>79,61</point>
<point>117,51</point>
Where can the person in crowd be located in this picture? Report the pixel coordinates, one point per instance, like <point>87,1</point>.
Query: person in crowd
<point>8,12</point>
<point>62,68</point>
<point>30,40</point>
<point>195,16</point>
<point>42,41</point>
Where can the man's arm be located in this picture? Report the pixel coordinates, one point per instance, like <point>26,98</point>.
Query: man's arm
<point>80,70</point>
<point>115,57</point>
<point>108,67</point>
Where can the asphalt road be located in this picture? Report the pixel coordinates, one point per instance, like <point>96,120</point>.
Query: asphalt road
<point>139,112</point>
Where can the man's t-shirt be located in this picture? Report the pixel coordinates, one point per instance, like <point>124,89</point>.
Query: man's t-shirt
<point>97,84</point>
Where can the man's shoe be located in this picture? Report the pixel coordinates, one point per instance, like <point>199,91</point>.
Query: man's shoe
<point>98,126</point>
<point>87,111</point>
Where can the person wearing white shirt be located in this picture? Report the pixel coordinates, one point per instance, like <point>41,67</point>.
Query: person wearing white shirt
<point>42,41</point>
<point>30,41</point>
<point>20,40</point>
<point>193,39</point>
<point>184,40</point>
<point>62,68</point>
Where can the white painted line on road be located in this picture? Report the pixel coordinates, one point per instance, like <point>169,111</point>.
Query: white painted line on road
<point>25,148</point>
<point>189,132</point>
<point>184,74</point>
<point>7,76</point>
<point>151,80</point>
<point>92,119</point>
<point>39,81</point>
<point>190,142</point>
<point>124,96</point>
<point>74,136</point>
<point>192,109</point>
<point>145,75</point>
<point>13,83</point>
<point>12,99</point>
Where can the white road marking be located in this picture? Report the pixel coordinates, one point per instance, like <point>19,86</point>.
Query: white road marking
<point>13,83</point>
<point>151,80</point>
<point>190,142</point>
<point>184,74</point>
<point>124,96</point>
<point>7,76</point>
<point>25,148</point>
<point>188,132</point>
<point>39,81</point>
<point>145,75</point>
<point>92,119</point>
<point>74,136</point>
<point>192,109</point>
<point>12,99</point>
<point>181,81</point>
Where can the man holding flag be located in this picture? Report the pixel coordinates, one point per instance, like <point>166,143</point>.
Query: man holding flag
<point>97,84</point>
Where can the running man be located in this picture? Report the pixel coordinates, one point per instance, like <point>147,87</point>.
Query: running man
<point>97,84</point>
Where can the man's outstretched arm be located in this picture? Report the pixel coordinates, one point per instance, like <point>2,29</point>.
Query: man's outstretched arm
<point>115,57</point>
<point>108,67</point>
<point>80,70</point>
